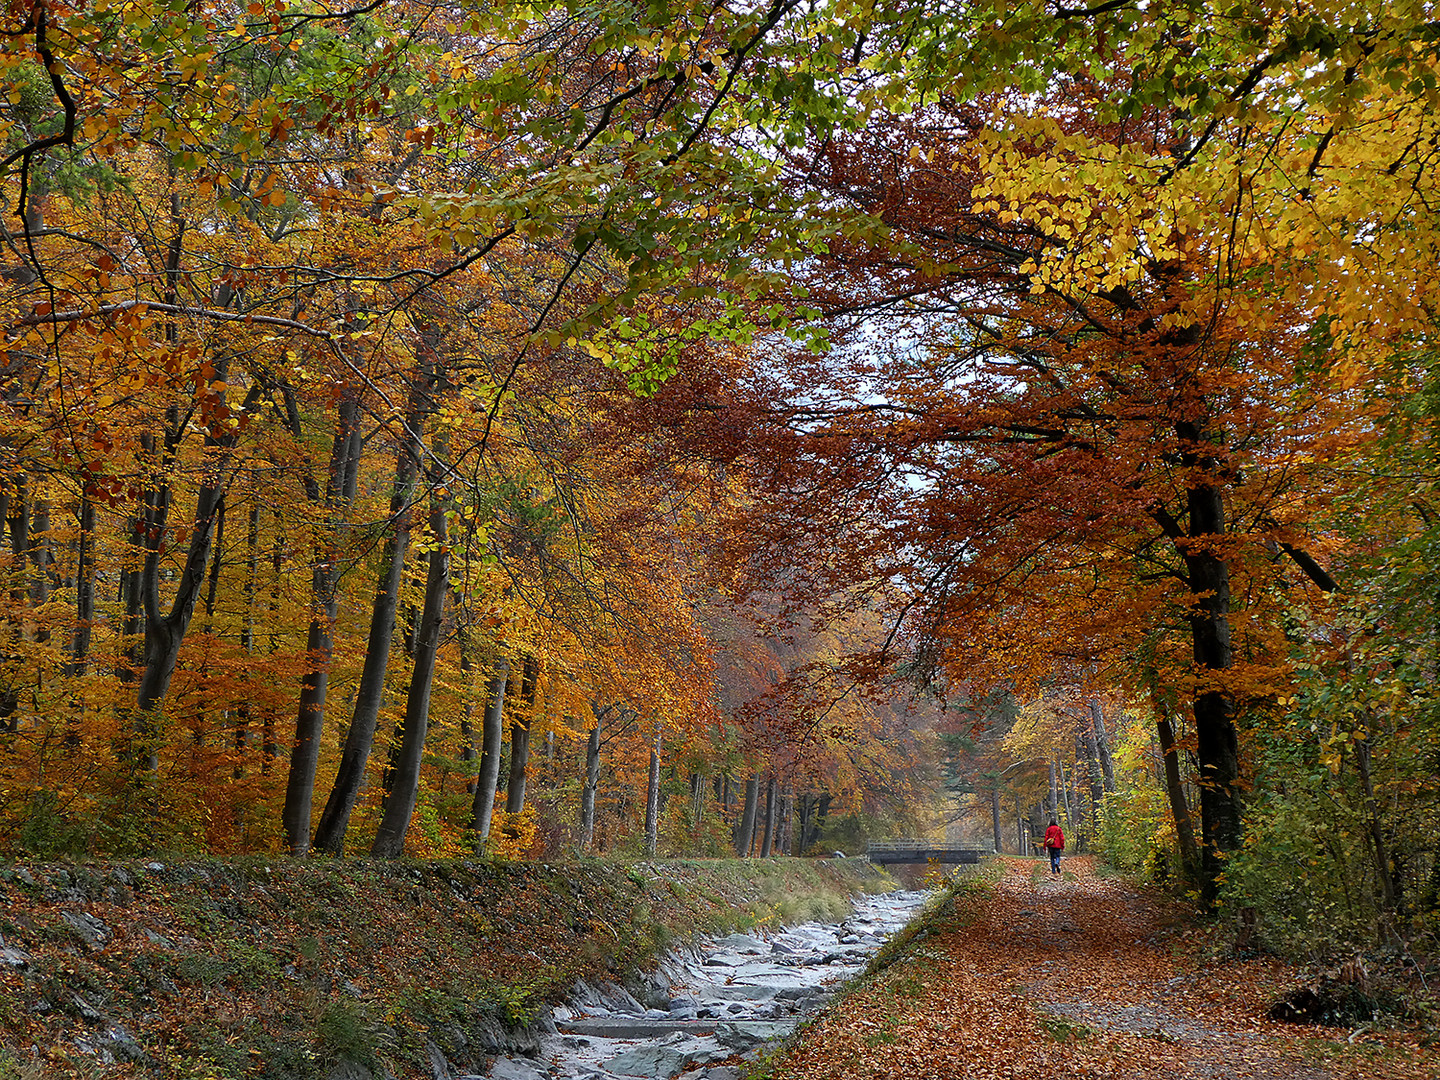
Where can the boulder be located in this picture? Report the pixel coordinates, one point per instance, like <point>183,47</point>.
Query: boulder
<point>516,1069</point>
<point>666,1058</point>
<point>87,928</point>
<point>739,1038</point>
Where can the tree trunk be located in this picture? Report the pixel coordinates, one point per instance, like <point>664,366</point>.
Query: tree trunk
<point>652,799</point>
<point>787,819</point>
<point>1102,742</point>
<point>1175,790</point>
<point>1217,739</point>
<point>802,815</point>
<point>84,589</point>
<point>360,739</point>
<point>995,819</point>
<point>492,733</point>
<point>390,840</point>
<point>697,799</point>
<point>1085,744</point>
<point>745,834</point>
<point>269,746</point>
<point>592,781</point>
<point>520,735</point>
<point>324,581</point>
<point>1054,805</point>
<point>247,634</point>
<point>767,843</point>
<point>1384,874</point>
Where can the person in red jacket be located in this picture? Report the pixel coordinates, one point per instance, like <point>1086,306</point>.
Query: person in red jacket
<point>1054,843</point>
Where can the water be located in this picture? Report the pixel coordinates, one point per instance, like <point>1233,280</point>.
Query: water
<point>722,997</point>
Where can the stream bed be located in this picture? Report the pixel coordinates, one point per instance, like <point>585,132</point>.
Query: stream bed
<point>712,1001</point>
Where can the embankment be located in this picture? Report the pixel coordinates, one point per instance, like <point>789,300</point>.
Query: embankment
<point>277,970</point>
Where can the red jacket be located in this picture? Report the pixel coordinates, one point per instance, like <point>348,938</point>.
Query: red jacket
<point>1054,838</point>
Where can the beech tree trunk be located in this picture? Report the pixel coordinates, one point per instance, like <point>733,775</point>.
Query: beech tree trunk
<point>360,738</point>
<point>1217,738</point>
<point>745,835</point>
<point>400,807</point>
<point>592,781</point>
<point>1065,794</point>
<point>1085,752</point>
<point>1175,790</point>
<point>520,735</point>
<point>995,820</point>
<point>324,594</point>
<point>1054,804</point>
<point>492,734</point>
<point>84,589</point>
<point>768,841</point>
<point>652,799</point>
<point>1102,743</point>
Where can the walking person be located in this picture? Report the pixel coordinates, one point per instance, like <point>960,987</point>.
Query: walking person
<point>1054,843</point>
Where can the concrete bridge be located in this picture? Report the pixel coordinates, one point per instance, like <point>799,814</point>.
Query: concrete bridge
<point>922,851</point>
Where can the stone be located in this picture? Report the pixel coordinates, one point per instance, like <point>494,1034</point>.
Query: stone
<point>720,1072</point>
<point>86,1010</point>
<point>739,1038</point>
<point>87,928</point>
<point>435,1057</point>
<point>730,960</point>
<point>666,1058</point>
<point>13,957</point>
<point>796,993</point>
<point>516,1069</point>
<point>742,943</point>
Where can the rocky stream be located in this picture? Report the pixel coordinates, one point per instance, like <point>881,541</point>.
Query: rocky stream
<point>711,1002</point>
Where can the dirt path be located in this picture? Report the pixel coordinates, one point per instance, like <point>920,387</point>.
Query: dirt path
<point>1078,976</point>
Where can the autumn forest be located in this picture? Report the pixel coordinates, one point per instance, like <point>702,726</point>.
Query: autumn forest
<point>689,427</point>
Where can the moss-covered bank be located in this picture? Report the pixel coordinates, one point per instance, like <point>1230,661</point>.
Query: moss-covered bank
<point>284,970</point>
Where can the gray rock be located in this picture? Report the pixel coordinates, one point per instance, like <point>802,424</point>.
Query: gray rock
<point>730,960</point>
<point>439,1067</point>
<point>796,993</point>
<point>743,943</point>
<point>720,1072</point>
<point>25,877</point>
<point>123,877</point>
<point>13,957</point>
<point>87,928</point>
<point>122,1044</point>
<point>666,1058</point>
<point>739,1038</point>
<point>159,939</point>
<point>86,1010</point>
<point>155,867</point>
<point>516,1069</point>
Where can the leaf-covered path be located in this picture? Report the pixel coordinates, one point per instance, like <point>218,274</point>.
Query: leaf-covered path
<point>1077,976</point>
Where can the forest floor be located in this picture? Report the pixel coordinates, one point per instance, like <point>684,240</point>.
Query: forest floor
<point>1032,977</point>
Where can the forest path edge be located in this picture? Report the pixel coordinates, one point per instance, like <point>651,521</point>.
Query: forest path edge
<point>1025,976</point>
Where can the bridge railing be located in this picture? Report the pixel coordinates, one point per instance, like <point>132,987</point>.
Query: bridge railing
<point>919,851</point>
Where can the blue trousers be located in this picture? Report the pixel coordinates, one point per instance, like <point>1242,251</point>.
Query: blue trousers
<point>1054,860</point>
